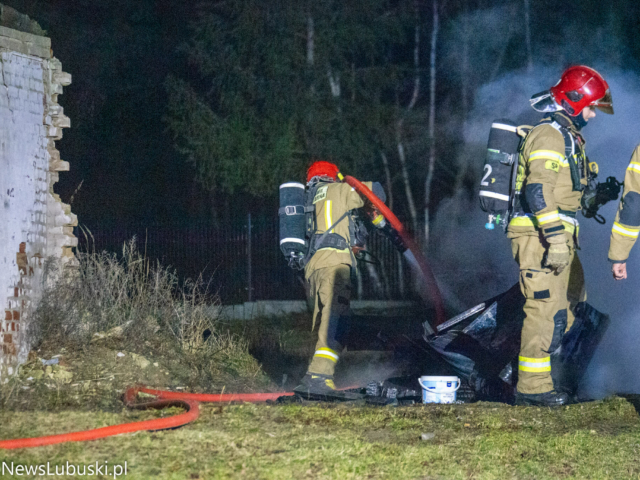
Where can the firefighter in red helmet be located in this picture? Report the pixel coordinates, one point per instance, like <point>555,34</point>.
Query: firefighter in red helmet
<point>552,174</point>
<point>329,270</point>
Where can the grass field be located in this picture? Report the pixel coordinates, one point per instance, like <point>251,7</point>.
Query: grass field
<point>121,322</point>
<point>597,440</point>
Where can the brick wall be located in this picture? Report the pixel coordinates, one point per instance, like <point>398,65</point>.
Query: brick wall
<point>34,223</point>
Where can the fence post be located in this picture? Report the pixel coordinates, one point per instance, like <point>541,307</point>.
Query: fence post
<point>249,257</point>
<point>400,275</point>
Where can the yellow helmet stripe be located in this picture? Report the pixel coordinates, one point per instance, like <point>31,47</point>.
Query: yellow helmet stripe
<point>634,167</point>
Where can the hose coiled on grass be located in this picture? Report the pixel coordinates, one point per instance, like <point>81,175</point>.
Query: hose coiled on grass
<point>163,399</point>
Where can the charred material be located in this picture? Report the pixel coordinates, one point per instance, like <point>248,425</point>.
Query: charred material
<point>482,346</point>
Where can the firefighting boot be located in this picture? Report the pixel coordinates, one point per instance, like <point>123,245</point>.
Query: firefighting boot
<point>546,399</point>
<point>316,384</point>
<point>318,387</point>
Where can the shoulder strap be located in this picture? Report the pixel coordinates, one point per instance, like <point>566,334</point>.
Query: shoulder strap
<point>310,211</point>
<point>569,153</point>
<point>523,132</point>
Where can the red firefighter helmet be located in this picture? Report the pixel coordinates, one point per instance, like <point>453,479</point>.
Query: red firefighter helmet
<point>581,87</point>
<point>322,169</point>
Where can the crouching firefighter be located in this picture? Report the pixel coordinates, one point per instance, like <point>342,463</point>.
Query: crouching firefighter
<point>553,172</point>
<point>329,266</point>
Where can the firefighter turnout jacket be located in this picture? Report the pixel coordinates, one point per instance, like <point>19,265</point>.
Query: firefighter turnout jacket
<point>626,226</point>
<point>331,202</point>
<point>551,177</point>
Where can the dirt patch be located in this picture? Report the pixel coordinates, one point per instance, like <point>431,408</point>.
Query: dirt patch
<point>96,378</point>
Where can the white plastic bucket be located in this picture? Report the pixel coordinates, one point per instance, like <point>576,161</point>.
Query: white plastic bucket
<point>439,389</point>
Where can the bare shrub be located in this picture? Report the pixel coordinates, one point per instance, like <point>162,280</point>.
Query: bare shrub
<point>133,304</point>
<point>105,292</point>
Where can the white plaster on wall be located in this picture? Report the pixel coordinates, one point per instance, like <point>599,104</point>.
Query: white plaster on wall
<point>34,223</point>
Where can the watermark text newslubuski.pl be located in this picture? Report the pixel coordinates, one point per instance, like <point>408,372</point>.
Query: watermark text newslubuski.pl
<point>49,469</point>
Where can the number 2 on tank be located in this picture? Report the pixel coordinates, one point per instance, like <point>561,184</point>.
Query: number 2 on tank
<point>488,171</point>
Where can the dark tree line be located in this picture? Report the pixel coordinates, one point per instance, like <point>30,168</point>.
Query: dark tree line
<point>241,96</point>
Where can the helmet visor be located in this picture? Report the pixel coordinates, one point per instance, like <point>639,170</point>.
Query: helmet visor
<point>544,102</point>
<point>605,104</point>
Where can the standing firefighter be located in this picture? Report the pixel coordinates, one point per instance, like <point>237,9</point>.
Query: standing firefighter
<point>553,172</point>
<point>627,223</point>
<point>329,268</point>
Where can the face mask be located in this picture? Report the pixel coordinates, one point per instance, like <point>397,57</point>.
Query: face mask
<point>579,121</point>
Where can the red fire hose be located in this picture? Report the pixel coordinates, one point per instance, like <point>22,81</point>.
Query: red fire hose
<point>429,278</point>
<point>189,401</point>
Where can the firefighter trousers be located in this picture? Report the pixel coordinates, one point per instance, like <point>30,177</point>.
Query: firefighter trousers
<point>550,299</point>
<point>330,287</point>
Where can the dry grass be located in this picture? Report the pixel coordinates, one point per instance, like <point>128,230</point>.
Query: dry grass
<point>130,292</point>
<point>115,313</point>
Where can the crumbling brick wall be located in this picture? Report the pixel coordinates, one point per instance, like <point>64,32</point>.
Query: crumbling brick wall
<point>34,223</point>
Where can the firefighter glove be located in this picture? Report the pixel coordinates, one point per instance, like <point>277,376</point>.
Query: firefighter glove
<point>378,219</point>
<point>558,254</point>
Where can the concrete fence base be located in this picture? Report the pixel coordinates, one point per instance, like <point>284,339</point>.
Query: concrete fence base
<point>273,308</point>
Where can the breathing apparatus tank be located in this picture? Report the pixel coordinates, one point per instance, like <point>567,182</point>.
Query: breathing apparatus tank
<point>500,169</point>
<point>293,227</point>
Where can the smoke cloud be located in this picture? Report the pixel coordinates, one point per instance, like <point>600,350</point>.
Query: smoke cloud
<point>474,264</point>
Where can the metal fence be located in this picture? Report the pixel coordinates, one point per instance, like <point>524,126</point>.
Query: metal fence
<point>242,261</point>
